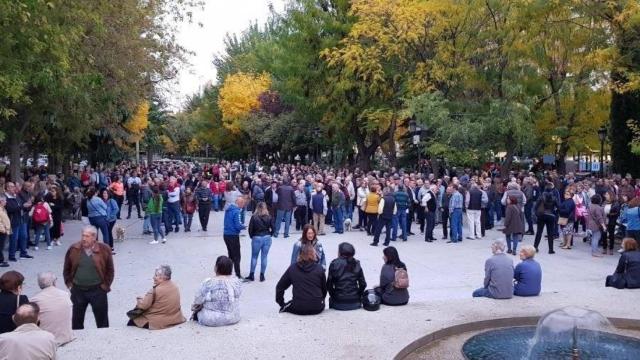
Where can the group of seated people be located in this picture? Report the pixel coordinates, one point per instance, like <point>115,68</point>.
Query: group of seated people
<point>502,281</point>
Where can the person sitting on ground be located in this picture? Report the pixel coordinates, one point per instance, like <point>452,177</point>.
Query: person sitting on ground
<point>27,341</point>
<point>217,302</point>
<point>528,274</point>
<point>389,290</point>
<point>345,282</point>
<point>10,289</point>
<point>161,304</point>
<point>627,275</point>
<point>309,237</point>
<point>309,284</point>
<point>55,308</point>
<point>498,275</point>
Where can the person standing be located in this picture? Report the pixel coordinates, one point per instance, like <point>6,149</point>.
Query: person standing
<point>362,191</point>
<point>260,230</point>
<point>97,213</point>
<point>5,228</point>
<point>386,210</point>
<point>546,208</point>
<point>301,207</point>
<point>429,201</point>
<point>204,195</point>
<point>337,208</point>
<point>154,211</point>
<point>88,273</point>
<point>188,203</point>
<point>596,223</point>
<point>41,215</point>
<point>112,214</point>
<point>133,193</point>
<point>55,199</point>
<point>513,225</point>
<point>371,209</point>
<point>15,208</point>
<point>231,234</point>
<point>173,205</point>
<point>446,199</point>
<point>284,207</point>
<point>319,208</point>
<point>117,189</point>
<point>473,201</point>
<point>455,212</point>
<point>403,202</point>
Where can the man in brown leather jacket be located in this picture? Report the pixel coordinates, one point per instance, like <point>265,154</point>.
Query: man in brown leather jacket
<point>88,273</point>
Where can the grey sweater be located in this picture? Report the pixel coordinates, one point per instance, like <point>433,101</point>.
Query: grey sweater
<point>498,276</point>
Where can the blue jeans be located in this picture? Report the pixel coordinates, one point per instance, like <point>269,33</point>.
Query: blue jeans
<point>100,222</point>
<point>513,239</point>
<point>528,215</point>
<point>18,240</point>
<point>338,220</point>
<point>146,223</point>
<point>42,228</point>
<point>456,225</point>
<point>243,211</point>
<point>216,202</point>
<point>348,209</point>
<point>260,245</point>
<point>497,208</point>
<point>399,219</point>
<point>175,213</point>
<point>595,240</point>
<point>280,214</point>
<point>155,220</point>
<point>482,292</point>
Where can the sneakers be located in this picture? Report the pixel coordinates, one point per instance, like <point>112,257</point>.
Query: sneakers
<point>36,248</point>
<point>4,264</point>
<point>26,256</point>
<point>49,247</point>
<point>57,243</point>
<point>153,242</point>
<point>164,240</point>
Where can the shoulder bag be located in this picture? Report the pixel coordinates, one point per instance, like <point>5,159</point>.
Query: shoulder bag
<point>137,312</point>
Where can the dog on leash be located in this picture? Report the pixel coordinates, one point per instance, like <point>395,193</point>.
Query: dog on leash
<point>347,224</point>
<point>120,231</point>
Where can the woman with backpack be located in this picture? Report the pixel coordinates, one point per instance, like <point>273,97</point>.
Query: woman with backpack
<point>546,208</point>
<point>41,217</point>
<point>260,230</point>
<point>394,279</point>
<point>309,237</point>
<point>345,280</point>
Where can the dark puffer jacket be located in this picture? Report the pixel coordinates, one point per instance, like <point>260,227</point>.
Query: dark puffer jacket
<point>260,226</point>
<point>344,286</point>
<point>309,287</point>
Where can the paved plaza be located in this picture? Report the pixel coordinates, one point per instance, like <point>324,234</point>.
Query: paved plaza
<point>442,277</point>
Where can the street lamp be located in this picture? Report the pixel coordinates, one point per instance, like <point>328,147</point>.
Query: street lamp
<point>416,130</point>
<point>602,134</point>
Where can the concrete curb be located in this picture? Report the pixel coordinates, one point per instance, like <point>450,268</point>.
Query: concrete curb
<point>621,323</point>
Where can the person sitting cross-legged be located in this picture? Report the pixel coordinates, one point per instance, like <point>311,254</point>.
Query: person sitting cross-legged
<point>528,274</point>
<point>498,274</point>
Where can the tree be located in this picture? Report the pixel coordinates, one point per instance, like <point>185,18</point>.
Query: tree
<point>239,96</point>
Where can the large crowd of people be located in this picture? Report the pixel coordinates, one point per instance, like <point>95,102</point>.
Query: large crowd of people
<point>307,198</point>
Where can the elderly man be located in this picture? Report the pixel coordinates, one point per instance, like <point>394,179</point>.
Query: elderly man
<point>27,341</point>
<point>88,273</point>
<point>55,308</point>
<point>498,275</point>
<point>161,304</point>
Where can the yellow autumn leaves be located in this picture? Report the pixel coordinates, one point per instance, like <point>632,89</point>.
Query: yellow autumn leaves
<point>239,97</point>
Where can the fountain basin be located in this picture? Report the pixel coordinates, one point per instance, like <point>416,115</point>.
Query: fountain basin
<point>515,343</point>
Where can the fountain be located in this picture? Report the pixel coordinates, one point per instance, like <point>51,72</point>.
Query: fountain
<point>567,333</point>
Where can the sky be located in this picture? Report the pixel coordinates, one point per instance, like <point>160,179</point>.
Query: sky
<point>219,17</point>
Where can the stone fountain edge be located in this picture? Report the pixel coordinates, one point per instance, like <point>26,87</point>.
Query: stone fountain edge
<point>621,323</point>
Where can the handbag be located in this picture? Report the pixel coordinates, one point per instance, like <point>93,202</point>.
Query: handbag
<point>562,221</point>
<point>195,309</point>
<point>136,311</point>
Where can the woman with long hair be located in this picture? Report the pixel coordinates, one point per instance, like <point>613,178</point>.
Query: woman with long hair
<point>55,199</point>
<point>260,230</point>
<point>112,213</point>
<point>309,284</point>
<point>154,211</point>
<point>390,292</point>
<point>345,280</point>
<point>309,237</point>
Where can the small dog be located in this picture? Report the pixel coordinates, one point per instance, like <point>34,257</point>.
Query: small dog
<point>347,224</point>
<point>120,231</point>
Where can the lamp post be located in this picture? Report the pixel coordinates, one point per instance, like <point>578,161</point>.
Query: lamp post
<point>602,134</point>
<point>415,130</point>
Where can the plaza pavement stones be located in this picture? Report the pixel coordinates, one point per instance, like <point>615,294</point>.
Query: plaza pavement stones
<point>442,277</point>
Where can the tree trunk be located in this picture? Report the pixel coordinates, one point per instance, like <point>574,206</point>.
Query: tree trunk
<point>149,155</point>
<point>506,164</point>
<point>14,157</point>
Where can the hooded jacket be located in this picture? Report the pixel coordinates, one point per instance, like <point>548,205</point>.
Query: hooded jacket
<point>345,286</point>
<point>232,224</point>
<point>309,285</point>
